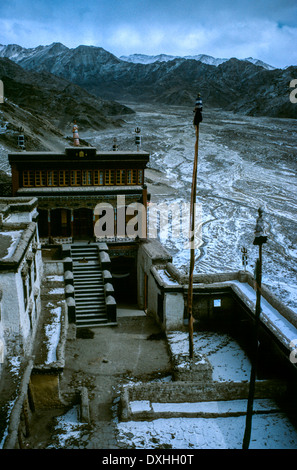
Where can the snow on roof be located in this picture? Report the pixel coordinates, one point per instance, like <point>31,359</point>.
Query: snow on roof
<point>280,326</point>
<point>9,242</point>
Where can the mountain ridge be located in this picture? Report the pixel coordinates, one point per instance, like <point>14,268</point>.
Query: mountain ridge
<point>134,58</point>
<point>204,58</point>
<point>235,85</point>
<point>43,106</point>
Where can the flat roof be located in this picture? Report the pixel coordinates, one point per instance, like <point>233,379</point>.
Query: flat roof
<point>78,154</point>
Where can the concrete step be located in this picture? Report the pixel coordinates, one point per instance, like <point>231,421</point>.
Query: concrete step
<point>84,247</point>
<point>83,305</point>
<point>84,284</point>
<point>83,267</point>
<point>92,315</point>
<point>89,289</point>
<point>86,297</point>
<point>87,313</point>
<point>90,305</point>
<point>91,323</point>
<point>88,277</point>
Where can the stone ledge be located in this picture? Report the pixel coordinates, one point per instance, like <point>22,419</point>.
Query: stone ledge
<point>195,392</point>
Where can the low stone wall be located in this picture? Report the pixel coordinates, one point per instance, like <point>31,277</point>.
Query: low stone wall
<point>193,392</point>
<point>53,268</point>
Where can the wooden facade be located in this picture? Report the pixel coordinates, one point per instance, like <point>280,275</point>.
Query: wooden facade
<point>69,186</point>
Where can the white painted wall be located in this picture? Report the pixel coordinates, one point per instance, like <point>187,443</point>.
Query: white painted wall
<point>173,310</point>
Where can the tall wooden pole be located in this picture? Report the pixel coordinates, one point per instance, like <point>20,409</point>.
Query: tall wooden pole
<point>249,413</point>
<point>259,240</point>
<point>192,244</point>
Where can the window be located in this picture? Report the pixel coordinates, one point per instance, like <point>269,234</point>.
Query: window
<point>63,178</point>
<point>40,178</point>
<point>120,177</point>
<point>52,178</point>
<point>86,177</point>
<point>75,177</point>
<point>109,177</point>
<point>28,178</point>
<point>131,176</point>
<point>98,177</point>
<point>140,177</point>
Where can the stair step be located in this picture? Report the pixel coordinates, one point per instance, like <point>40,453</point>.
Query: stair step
<point>84,247</point>
<point>87,278</point>
<point>92,323</point>
<point>89,290</point>
<point>90,278</point>
<point>77,266</point>
<point>91,268</point>
<point>88,287</point>
<point>98,300</point>
<point>95,297</point>
<point>88,283</point>
<point>86,316</point>
<point>87,272</point>
<point>98,304</point>
<point>90,317</point>
<point>91,306</point>
<point>86,313</point>
<point>92,283</point>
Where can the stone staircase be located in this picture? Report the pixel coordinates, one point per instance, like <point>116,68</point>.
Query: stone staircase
<point>88,282</point>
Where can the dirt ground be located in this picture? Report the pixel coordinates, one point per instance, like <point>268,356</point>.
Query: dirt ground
<point>134,350</point>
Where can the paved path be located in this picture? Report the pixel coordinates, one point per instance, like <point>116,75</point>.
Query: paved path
<point>115,355</point>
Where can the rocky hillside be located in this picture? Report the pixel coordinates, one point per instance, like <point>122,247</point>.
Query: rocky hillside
<point>236,85</point>
<point>43,107</point>
<point>56,99</point>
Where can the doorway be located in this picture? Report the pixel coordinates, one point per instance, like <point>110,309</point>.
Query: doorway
<point>83,223</point>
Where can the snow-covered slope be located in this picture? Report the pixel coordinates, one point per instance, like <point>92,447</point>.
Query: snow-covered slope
<point>205,59</point>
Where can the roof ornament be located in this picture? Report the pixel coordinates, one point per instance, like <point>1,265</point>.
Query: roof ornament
<point>75,134</point>
<point>260,234</point>
<point>115,145</point>
<point>198,111</point>
<point>137,138</point>
<point>21,142</point>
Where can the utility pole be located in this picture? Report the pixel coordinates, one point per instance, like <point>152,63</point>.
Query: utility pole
<point>196,122</point>
<point>260,239</point>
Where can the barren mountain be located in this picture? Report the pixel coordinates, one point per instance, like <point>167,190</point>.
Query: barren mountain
<point>44,106</point>
<point>236,85</point>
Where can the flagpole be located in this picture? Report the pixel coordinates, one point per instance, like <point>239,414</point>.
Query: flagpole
<point>196,122</point>
<point>260,239</point>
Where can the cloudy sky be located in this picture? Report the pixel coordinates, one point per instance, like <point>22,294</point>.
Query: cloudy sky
<point>263,29</point>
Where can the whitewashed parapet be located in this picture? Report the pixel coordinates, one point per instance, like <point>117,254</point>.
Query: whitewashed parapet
<point>68,263</point>
<point>71,309</point>
<point>69,290</point>
<point>68,277</point>
<point>66,250</point>
<point>108,288</point>
<point>104,259</point>
<point>107,277</point>
<point>102,246</point>
<point>111,308</point>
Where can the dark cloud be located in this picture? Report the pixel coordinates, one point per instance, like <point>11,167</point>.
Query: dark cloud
<point>263,29</point>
